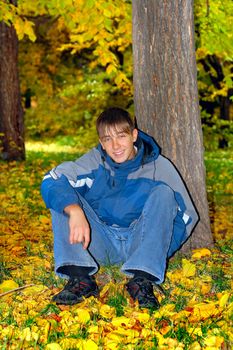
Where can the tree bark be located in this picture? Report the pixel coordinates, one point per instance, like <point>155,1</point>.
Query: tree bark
<point>11,112</point>
<point>166,95</point>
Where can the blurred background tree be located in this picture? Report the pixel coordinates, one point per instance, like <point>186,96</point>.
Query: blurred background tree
<point>214,40</point>
<point>11,112</point>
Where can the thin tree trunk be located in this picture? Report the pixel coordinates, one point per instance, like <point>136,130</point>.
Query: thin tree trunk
<point>11,112</point>
<point>166,95</point>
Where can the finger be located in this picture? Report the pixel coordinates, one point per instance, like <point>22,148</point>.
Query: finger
<point>86,239</point>
<point>79,236</point>
<point>75,236</point>
<point>71,237</point>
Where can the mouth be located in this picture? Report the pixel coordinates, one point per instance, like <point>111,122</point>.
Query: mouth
<point>118,154</point>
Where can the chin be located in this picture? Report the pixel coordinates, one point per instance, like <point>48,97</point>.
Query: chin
<point>119,160</point>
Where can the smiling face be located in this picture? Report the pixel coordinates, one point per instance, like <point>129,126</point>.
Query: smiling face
<point>119,143</point>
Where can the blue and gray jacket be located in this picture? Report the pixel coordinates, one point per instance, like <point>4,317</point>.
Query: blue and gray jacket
<point>117,192</point>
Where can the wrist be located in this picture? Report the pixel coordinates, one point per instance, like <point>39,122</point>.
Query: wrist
<point>73,209</point>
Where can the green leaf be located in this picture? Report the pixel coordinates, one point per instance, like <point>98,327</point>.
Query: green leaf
<point>89,4</point>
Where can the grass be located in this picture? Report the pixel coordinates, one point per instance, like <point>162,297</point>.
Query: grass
<point>27,258</point>
<point>118,301</point>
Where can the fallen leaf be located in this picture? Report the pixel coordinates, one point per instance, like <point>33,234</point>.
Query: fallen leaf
<point>224,299</point>
<point>53,346</point>
<point>83,316</point>
<point>199,253</point>
<point>8,285</point>
<point>89,345</point>
<point>188,268</point>
<point>118,321</point>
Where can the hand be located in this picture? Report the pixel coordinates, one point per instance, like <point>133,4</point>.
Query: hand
<point>79,226</point>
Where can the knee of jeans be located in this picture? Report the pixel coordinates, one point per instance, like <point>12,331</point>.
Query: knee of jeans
<point>164,191</point>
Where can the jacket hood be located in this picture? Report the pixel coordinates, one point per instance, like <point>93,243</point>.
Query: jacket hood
<point>148,150</point>
<point>151,148</point>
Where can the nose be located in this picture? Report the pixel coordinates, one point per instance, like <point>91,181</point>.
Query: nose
<point>115,143</point>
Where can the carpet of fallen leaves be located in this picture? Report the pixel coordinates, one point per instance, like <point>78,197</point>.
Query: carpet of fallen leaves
<point>195,313</point>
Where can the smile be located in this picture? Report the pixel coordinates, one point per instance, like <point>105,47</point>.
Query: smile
<point>118,153</point>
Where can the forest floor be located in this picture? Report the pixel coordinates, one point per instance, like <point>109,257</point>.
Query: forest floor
<point>196,310</point>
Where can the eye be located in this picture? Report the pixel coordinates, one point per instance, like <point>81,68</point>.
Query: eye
<point>122,136</point>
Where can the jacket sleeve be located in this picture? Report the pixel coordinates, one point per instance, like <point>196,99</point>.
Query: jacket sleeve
<point>62,185</point>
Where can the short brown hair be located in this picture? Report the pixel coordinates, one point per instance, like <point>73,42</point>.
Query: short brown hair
<point>114,117</point>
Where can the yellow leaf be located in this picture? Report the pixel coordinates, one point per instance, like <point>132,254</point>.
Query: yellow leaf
<point>17,249</point>
<point>146,333</point>
<point>111,68</point>
<point>141,316</point>
<point>47,264</point>
<point>44,219</point>
<point>107,13</point>
<point>195,346</point>
<point>7,331</point>
<point>46,330</point>
<point>165,311</point>
<point>118,321</point>
<point>71,343</point>
<point>203,311</point>
<point>34,289</point>
<point>93,329</point>
<point>8,285</point>
<point>188,268</point>
<point>205,288</point>
<point>125,332</point>
<point>19,27</point>
<point>53,346</point>
<point>83,315</point>
<point>196,331</point>
<point>107,311</point>
<point>119,78</point>
<point>26,334</point>
<point>224,299</point>
<point>109,344</point>
<point>106,289</point>
<point>206,278</point>
<point>29,30</point>
<point>199,253</point>
<point>117,338</point>
<point>89,345</point>
<point>214,341</point>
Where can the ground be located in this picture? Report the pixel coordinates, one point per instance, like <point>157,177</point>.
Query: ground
<point>196,307</point>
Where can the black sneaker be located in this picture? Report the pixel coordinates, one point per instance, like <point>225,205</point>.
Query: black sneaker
<point>141,289</point>
<point>76,290</point>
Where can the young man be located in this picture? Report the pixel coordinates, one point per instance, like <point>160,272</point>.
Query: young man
<point>121,203</point>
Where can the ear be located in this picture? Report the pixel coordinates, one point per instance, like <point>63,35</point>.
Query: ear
<point>135,134</point>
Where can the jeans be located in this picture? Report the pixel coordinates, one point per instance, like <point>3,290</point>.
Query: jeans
<point>142,246</point>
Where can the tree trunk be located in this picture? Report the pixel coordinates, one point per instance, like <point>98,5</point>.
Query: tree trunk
<point>11,112</point>
<point>166,95</point>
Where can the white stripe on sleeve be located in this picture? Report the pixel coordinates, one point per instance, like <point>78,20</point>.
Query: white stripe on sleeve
<point>80,183</point>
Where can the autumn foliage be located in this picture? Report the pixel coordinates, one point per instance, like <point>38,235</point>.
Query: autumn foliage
<point>196,309</point>
<point>74,70</point>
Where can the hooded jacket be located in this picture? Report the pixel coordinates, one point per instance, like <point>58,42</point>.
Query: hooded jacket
<point>117,192</point>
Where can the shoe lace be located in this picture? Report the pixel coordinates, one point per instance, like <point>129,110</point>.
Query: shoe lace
<point>76,284</point>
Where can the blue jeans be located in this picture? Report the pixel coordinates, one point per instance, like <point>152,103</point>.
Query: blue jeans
<point>143,246</point>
